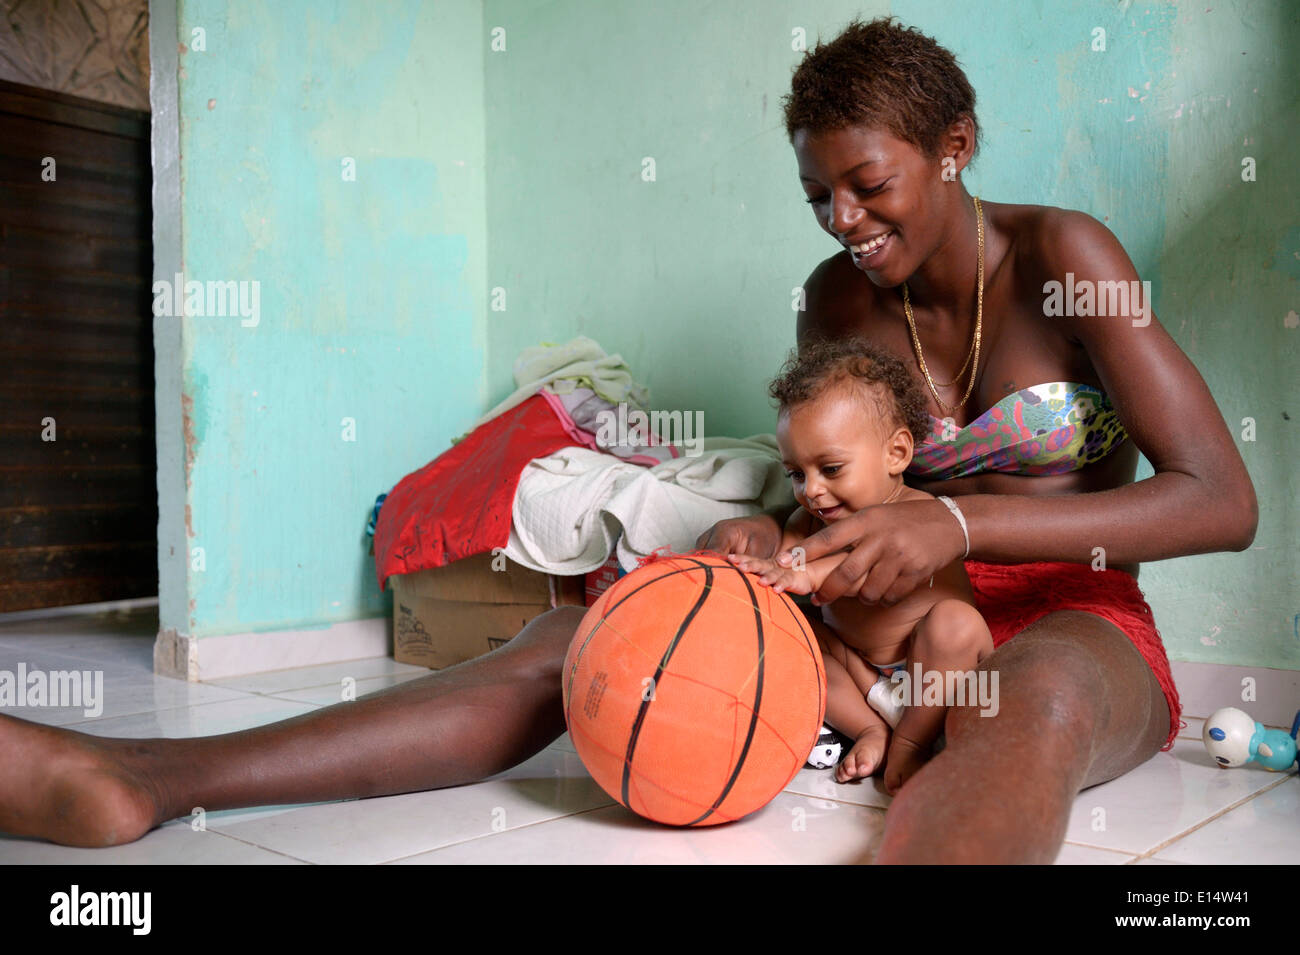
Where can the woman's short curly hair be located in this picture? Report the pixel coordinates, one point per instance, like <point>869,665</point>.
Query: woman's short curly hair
<point>885,75</point>
<point>879,377</point>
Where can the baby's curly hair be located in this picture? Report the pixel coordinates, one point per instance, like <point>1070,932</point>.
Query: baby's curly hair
<point>880,74</point>
<point>823,363</point>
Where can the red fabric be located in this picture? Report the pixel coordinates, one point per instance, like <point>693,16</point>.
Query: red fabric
<point>459,504</point>
<point>1012,596</point>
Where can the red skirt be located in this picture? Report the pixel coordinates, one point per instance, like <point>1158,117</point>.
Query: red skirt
<point>1012,596</point>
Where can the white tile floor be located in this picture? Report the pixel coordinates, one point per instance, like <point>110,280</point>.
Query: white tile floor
<point>1177,808</point>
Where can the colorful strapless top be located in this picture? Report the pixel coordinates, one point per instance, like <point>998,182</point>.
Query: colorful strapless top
<point>1050,428</point>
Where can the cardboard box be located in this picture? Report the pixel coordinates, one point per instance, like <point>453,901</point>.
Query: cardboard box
<point>450,614</point>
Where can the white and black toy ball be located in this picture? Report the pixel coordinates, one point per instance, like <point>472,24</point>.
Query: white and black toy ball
<point>829,749</point>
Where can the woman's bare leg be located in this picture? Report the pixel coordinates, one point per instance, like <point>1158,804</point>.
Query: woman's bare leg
<point>454,726</point>
<point>1077,706</point>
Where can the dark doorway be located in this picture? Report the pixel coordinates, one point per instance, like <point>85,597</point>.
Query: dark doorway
<point>78,496</point>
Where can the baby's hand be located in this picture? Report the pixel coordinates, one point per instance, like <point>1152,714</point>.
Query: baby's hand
<point>771,574</point>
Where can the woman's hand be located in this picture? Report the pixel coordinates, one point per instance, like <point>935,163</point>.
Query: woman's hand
<point>894,549</point>
<point>757,536</point>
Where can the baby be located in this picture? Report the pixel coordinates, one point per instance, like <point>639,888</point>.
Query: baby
<point>849,415</point>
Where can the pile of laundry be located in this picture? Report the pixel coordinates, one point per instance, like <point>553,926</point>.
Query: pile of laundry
<point>554,478</point>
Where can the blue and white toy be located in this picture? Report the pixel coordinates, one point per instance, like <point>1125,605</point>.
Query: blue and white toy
<point>1234,739</point>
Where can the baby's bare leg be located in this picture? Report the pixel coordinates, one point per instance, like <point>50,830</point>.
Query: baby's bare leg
<point>847,681</point>
<point>951,638</point>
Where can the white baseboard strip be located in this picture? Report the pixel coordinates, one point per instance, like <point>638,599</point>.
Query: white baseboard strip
<point>1272,696</point>
<point>237,654</point>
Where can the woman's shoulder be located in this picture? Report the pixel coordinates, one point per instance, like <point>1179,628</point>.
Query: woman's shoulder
<point>1028,221</point>
<point>1048,239</point>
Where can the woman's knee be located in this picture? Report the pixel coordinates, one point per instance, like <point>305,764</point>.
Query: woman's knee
<point>541,645</point>
<point>1071,681</point>
<point>1050,691</point>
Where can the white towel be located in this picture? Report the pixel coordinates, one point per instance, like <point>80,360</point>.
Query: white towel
<point>561,367</point>
<point>572,505</point>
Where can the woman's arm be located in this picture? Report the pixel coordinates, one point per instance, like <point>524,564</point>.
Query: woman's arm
<point>1199,500</point>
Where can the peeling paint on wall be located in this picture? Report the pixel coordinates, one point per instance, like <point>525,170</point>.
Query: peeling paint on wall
<point>370,288</point>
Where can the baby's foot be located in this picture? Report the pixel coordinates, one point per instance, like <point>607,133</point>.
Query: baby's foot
<point>864,758</point>
<point>905,758</point>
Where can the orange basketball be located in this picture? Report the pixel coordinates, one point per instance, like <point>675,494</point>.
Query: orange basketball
<point>693,694</point>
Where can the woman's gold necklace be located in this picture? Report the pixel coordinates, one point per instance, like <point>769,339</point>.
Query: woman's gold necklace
<point>974,353</point>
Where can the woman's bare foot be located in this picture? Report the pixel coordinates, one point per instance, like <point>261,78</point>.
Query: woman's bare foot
<point>70,788</point>
<point>905,759</point>
<point>864,758</point>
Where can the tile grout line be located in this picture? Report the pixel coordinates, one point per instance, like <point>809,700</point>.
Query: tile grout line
<point>254,845</point>
<point>184,706</point>
<point>842,802</point>
<point>1149,853</point>
<point>488,835</point>
<point>243,695</point>
<point>86,663</point>
<point>300,689</point>
<point>1130,857</point>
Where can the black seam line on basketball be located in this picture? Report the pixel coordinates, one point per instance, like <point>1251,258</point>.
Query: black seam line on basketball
<point>753,716</point>
<point>577,659</point>
<point>708,570</point>
<point>754,713</point>
<point>663,662</point>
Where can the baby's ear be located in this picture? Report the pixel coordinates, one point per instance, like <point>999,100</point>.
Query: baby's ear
<point>899,449</point>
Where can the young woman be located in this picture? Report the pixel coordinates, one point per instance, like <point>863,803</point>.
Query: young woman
<point>1037,417</point>
<point>882,121</point>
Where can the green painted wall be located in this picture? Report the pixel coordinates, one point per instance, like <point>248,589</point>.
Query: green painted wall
<point>690,276</point>
<point>375,293</point>
<point>371,290</point>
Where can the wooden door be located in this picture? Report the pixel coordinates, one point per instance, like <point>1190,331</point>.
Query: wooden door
<point>78,496</point>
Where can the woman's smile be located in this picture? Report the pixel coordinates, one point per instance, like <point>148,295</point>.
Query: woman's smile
<point>868,256</point>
